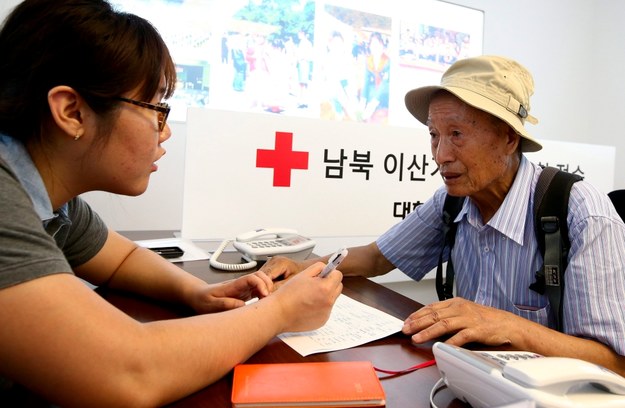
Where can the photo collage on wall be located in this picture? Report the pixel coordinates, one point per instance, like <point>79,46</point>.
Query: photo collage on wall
<point>343,60</point>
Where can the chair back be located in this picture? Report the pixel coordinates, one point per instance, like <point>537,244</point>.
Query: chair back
<point>618,199</point>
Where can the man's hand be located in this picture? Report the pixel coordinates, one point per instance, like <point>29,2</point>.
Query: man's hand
<point>466,321</point>
<point>469,322</point>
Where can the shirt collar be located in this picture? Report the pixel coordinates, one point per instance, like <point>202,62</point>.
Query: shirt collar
<point>15,155</point>
<point>511,217</point>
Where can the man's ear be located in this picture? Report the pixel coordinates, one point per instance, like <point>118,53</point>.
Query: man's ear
<point>66,107</point>
<point>514,140</point>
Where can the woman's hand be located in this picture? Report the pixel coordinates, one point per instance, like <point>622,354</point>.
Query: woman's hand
<point>306,299</point>
<point>280,268</point>
<point>232,294</point>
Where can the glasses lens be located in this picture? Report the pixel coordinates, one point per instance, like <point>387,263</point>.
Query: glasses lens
<point>162,109</point>
<point>162,116</point>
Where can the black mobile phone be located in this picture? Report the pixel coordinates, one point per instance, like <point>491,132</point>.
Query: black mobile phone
<point>169,252</point>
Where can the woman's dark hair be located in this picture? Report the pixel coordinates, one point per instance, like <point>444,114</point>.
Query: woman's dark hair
<point>87,45</point>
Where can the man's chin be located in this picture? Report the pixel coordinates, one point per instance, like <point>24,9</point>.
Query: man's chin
<point>455,191</point>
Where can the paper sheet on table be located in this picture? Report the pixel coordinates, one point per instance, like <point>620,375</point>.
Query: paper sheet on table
<point>351,324</point>
<point>191,251</point>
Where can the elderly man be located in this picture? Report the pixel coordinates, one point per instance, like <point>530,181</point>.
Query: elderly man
<point>476,119</point>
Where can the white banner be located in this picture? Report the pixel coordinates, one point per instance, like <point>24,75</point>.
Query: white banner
<point>246,171</point>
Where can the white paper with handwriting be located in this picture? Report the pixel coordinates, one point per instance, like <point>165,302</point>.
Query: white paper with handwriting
<point>351,324</point>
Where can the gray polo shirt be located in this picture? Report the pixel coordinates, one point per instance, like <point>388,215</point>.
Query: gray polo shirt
<point>35,240</point>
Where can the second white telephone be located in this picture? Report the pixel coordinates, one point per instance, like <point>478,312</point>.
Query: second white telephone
<point>262,244</point>
<point>501,379</point>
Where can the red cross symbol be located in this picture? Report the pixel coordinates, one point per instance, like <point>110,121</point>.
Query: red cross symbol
<point>283,159</point>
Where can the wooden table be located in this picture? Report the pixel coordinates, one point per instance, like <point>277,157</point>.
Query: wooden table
<point>395,352</point>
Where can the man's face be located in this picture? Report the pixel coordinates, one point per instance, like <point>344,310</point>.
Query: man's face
<point>475,152</point>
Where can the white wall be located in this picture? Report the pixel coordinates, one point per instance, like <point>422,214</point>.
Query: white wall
<point>572,47</point>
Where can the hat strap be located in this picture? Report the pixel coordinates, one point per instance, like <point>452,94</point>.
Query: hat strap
<point>518,109</point>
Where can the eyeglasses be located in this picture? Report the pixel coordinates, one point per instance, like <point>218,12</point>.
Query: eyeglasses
<point>162,108</point>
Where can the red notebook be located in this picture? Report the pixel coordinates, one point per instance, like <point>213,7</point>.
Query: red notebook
<point>319,384</point>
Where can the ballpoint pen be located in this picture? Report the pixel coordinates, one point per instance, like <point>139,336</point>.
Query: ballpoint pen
<point>333,262</point>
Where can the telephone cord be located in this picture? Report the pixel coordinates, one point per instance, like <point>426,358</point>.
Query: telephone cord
<point>440,384</point>
<point>228,267</point>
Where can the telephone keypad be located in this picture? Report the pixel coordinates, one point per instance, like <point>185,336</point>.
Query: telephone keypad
<point>266,244</point>
<point>503,358</point>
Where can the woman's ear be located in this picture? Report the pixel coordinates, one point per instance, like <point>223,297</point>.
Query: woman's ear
<point>66,107</point>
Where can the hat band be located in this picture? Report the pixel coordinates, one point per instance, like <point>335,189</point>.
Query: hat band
<point>518,109</point>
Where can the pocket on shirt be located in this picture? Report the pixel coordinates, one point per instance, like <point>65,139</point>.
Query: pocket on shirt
<point>535,314</point>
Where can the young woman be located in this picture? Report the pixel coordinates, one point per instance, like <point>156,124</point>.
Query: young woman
<point>81,87</point>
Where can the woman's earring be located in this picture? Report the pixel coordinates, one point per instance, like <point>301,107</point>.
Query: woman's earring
<point>78,135</point>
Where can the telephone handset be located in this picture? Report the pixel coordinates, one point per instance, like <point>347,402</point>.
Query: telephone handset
<point>262,244</point>
<point>496,379</point>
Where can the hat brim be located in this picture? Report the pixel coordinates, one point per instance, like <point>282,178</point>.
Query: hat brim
<point>418,104</point>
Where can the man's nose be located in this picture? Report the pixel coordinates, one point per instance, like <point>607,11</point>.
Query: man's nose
<point>443,152</point>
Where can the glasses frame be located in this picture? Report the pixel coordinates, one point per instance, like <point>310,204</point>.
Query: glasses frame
<point>162,108</point>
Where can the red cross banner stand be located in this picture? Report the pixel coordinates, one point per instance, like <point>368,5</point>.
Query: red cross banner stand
<point>323,178</point>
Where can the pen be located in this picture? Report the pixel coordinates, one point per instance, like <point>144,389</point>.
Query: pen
<point>333,262</point>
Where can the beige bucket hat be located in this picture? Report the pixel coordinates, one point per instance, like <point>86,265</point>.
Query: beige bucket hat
<point>493,84</point>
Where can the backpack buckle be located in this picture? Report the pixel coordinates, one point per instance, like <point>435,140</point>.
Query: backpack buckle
<point>550,224</point>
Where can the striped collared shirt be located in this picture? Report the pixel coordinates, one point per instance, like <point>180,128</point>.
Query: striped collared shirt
<point>495,263</point>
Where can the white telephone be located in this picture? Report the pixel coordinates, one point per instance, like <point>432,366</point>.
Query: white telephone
<point>498,379</point>
<point>262,244</point>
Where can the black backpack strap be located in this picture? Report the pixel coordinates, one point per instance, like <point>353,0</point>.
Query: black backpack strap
<point>445,285</point>
<point>551,201</point>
